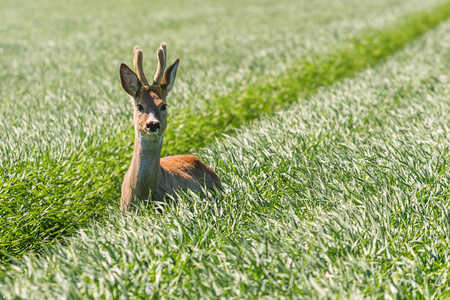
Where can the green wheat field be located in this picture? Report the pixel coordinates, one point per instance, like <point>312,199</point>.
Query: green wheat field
<point>328,122</point>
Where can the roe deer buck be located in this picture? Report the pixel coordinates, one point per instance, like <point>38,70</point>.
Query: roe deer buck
<point>148,172</point>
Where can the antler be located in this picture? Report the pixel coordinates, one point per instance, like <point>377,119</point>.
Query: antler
<point>161,54</point>
<point>138,57</point>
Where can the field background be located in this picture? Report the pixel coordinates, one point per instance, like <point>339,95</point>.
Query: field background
<point>343,192</point>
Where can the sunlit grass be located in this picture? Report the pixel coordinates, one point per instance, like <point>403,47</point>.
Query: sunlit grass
<point>66,132</point>
<point>344,195</point>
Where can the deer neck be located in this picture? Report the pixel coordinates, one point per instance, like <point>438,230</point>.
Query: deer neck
<point>145,169</point>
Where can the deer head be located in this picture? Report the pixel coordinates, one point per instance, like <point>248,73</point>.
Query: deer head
<point>150,109</point>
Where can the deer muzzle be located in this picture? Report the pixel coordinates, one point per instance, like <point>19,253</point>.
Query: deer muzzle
<point>153,127</point>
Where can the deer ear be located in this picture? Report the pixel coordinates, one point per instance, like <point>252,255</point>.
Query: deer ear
<point>169,76</point>
<point>130,81</point>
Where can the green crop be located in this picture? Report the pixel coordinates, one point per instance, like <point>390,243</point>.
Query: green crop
<point>343,195</point>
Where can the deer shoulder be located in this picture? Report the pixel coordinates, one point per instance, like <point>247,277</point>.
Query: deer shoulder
<point>187,171</point>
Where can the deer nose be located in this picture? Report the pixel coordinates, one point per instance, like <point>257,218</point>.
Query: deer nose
<point>153,125</point>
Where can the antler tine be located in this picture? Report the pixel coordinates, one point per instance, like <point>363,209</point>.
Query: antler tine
<point>163,46</point>
<point>161,54</point>
<point>138,57</point>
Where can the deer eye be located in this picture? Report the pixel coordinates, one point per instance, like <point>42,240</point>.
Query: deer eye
<point>164,107</point>
<point>140,108</point>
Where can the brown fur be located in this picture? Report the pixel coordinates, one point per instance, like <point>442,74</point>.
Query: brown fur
<point>185,172</point>
<point>188,168</point>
